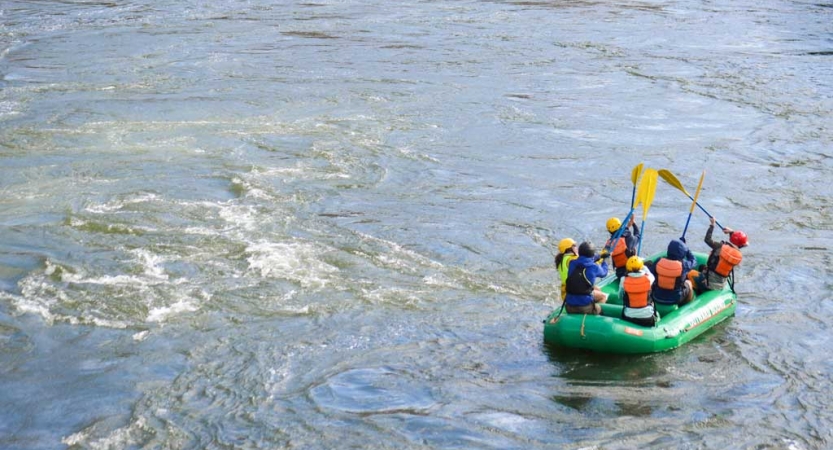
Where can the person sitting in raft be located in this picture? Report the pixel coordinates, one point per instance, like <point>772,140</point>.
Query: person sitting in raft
<point>722,260</point>
<point>567,251</point>
<point>671,286</point>
<point>583,296</point>
<point>635,292</point>
<point>626,246</point>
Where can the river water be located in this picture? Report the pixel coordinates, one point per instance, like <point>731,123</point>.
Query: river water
<point>331,224</point>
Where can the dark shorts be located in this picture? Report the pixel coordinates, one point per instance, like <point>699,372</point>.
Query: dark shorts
<point>644,322</point>
<point>592,308</point>
<point>687,294</point>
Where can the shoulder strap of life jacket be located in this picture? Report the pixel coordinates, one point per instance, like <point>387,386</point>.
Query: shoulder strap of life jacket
<point>577,282</point>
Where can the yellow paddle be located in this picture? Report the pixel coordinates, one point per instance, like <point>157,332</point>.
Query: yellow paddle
<point>673,181</point>
<point>693,203</point>
<point>637,171</point>
<point>635,199</point>
<point>647,189</point>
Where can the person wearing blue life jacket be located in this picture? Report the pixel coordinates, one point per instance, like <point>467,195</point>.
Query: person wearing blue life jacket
<point>583,296</point>
<point>671,286</point>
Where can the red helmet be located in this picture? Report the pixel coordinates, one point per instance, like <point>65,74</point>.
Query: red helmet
<point>739,238</point>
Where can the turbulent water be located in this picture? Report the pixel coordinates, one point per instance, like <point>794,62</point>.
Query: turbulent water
<point>331,224</point>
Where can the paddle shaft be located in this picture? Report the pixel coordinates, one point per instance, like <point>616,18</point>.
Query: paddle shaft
<point>686,227</point>
<point>616,236</point>
<point>635,174</point>
<point>694,202</point>
<point>639,248</point>
<point>671,179</point>
<point>648,186</point>
<point>704,210</point>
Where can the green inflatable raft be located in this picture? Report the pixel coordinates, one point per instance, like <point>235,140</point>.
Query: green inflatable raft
<point>609,333</point>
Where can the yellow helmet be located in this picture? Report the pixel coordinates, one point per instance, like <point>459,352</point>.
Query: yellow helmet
<point>565,244</point>
<point>634,264</point>
<point>613,224</point>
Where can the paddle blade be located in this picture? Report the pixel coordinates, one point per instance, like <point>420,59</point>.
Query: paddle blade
<point>637,171</point>
<point>648,187</point>
<point>640,194</point>
<point>671,179</point>
<point>697,193</point>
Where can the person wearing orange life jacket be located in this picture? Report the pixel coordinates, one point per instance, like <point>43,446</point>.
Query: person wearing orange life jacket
<point>583,296</point>
<point>567,251</point>
<point>671,286</point>
<point>635,292</point>
<point>625,247</point>
<point>722,259</point>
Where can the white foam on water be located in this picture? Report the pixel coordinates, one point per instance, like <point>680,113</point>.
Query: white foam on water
<point>306,173</point>
<point>118,438</point>
<point>8,109</point>
<point>335,176</point>
<point>76,222</point>
<point>391,295</point>
<point>200,231</point>
<point>280,374</point>
<point>41,305</point>
<point>393,261</point>
<point>297,172</point>
<point>24,305</point>
<point>509,422</point>
<point>104,208</point>
<point>104,280</point>
<point>75,438</point>
<point>250,190</point>
<point>294,261</point>
<point>152,263</point>
<point>118,204</point>
<point>298,310</point>
<point>97,321</point>
<point>400,252</point>
<point>141,336</point>
<point>243,216</point>
<point>440,280</point>
<point>162,313</point>
<point>117,295</point>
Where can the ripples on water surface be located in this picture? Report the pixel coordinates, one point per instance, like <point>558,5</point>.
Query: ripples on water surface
<point>331,224</point>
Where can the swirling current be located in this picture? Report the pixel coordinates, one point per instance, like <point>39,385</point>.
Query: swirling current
<point>331,224</point>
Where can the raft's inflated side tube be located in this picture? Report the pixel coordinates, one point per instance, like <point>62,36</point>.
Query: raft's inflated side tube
<point>609,333</point>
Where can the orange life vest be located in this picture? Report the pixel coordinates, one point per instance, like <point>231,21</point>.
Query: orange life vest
<point>729,258</point>
<point>636,291</point>
<point>669,274</point>
<point>618,255</point>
